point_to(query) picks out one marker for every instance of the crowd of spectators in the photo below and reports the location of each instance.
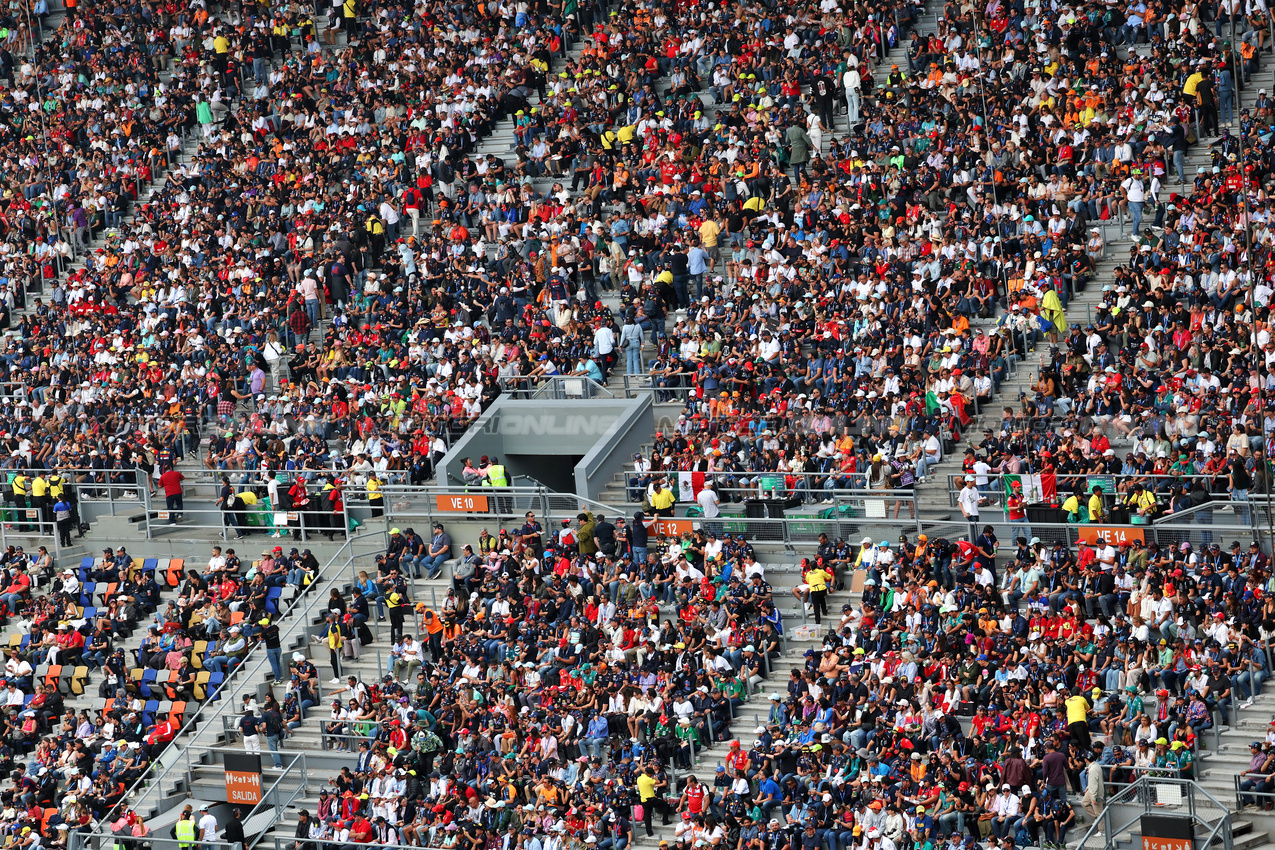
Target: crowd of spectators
(72, 634)
(573, 678)
(548, 680)
(334, 277)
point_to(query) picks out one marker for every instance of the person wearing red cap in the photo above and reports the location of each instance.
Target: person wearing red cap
(1020, 531)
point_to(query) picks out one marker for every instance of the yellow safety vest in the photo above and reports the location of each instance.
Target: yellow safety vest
(185, 833)
(496, 477)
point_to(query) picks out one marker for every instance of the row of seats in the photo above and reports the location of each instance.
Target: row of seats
(67, 678)
(176, 709)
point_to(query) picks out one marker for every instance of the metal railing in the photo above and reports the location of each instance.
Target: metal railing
(1124, 810)
(275, 800)
(995, 488)
(281, 843)
(583, 387)
(202, 733)
(808, 486)
(1266, 798)
(81, 841)
(843, 517)
(1072, 534)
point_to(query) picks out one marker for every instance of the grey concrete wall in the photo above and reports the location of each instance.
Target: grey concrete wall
(627, 435)
(601, 431)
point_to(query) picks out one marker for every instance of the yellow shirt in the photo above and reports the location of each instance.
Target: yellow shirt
(1095, 508)
(374, 490)
(1143, 500)
(1077, 709)
(708, 233)
(39, 487)
(221, 44)
(1191, 82)
(818, 579)
(663, 499)
(646, 787)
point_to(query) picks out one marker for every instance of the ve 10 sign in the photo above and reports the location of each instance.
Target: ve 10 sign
(462, 503)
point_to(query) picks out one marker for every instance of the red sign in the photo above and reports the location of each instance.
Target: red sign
(463, 503)
(1113, 534)
(673, 527)
(243, 787)
(1149, 843)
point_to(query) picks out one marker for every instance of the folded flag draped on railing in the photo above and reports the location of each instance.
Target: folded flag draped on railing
(1036, 488)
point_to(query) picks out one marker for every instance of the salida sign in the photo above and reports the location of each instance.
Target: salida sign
(243, 778)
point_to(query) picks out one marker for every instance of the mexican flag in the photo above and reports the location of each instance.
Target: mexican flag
(1036, 488)
(688, 485)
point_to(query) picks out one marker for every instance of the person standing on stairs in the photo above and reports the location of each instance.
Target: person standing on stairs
(604, 347)
(1135, 195)
(62, 518)
(818, 579)
(969, 501)
(631, 344)
(335, 639)
(823, 91)
(650, 795)
(1206, 97)
(853, 84)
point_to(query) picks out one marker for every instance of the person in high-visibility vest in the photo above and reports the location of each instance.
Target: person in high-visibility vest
(335, 640)
(375, 498)
(397, 603)
(818, 579)
(496, 475)
(57, 485)
(19, 487)
(40, 499)
(185, 830)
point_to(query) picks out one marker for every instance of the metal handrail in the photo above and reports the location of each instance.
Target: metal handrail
(510, 504)
(272, 795)
(1141, 797)
(299, 623)
(281, 843)
(955, 480)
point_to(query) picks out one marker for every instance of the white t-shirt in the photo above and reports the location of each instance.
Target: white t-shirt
(981, 470)
(1135, 190)
(708, 502)
(967, 499)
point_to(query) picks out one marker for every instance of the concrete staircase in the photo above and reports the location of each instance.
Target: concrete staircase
(934, 491)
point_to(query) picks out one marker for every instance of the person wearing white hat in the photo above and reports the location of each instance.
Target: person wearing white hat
(969, 501)
(207, 825)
